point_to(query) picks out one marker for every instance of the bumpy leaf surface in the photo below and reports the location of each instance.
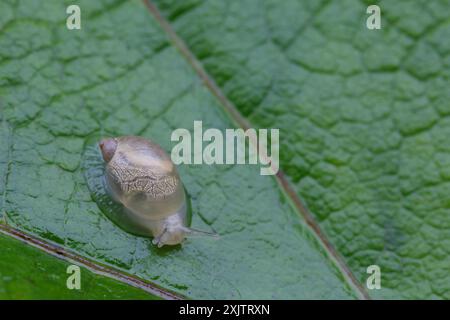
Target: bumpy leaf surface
(364, 119)
(61, 89)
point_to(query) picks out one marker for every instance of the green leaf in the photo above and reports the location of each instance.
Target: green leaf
(363, 117)
(61, 89)
(28, 273)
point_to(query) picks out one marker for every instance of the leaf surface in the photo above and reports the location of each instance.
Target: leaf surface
(119, 75)
(363, 117)
(28, 273)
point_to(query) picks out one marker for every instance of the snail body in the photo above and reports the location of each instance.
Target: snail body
(141, 176)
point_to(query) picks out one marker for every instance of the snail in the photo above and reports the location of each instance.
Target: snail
(141, 176)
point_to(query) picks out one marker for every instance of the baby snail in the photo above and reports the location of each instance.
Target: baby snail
(141, 176)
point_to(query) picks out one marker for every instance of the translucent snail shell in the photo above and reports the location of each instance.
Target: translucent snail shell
(141, 176)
